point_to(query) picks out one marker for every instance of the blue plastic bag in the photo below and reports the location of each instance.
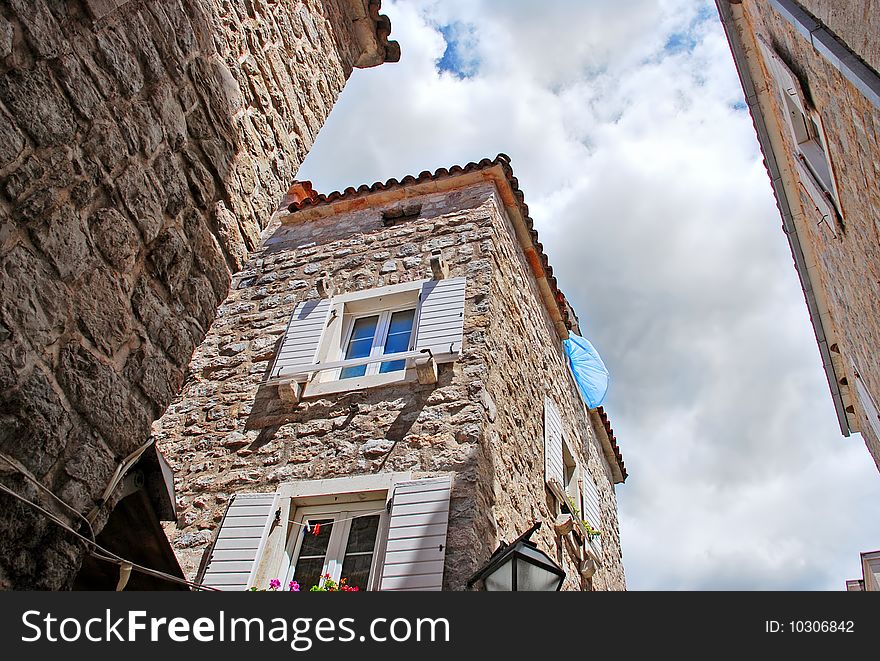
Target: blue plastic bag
(588, 369)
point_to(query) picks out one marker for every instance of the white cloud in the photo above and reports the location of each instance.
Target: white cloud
(647, 187)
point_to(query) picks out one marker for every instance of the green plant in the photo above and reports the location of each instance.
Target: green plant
(592, 532)
(329, 585)
(326, 584)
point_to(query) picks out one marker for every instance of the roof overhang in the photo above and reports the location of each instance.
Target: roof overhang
(608, 441)
(371, 30)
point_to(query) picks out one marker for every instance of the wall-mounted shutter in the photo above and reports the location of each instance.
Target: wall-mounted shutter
(303, 336)
(868, 406)
(784, 77)
(815, 190)
(553, 462)
(441, 318)
(240, 541)
(591, 510)
(416, 547)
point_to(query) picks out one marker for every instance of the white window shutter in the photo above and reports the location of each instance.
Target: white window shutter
(814, 190)
(868, 406)
(303, 336)
(441, 318)
(416, 548)
(240, 541)
(591, 509)
(783, 76)
(553, 462)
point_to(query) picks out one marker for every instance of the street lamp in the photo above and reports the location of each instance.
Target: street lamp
(520, 566)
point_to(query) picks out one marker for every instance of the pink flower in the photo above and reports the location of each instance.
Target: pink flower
(274, 584)
(294, 586)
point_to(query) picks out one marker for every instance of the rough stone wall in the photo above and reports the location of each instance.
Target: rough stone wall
(525, 362)
(849, 264)
(227, 433)
(856, 22)
(141, 145)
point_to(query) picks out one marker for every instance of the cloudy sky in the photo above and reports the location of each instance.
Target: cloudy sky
(626, 128)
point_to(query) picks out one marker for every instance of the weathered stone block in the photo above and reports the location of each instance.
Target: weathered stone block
(119, 57)
(99, 298)
(102, 397)
(141, 198)
(36, 423)
(116, 238)
(62, 238)
(38, 105)
(31, 298)
(11, 141)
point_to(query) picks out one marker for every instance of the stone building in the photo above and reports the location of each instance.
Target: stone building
(870, 580)
(143, 145)
(809, 72)
(316, 432)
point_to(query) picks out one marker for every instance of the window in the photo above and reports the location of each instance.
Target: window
(374, 335)
(408, 328)
(380, 531)
(866, 401)
(560, 465)
(805, 127)
(569, 479)
(339, 542)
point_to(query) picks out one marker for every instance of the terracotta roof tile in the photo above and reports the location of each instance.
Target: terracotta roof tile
(613, 439)
(503, 160)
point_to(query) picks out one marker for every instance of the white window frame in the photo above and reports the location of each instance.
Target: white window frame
(342, 515)
(312, 368)
(345, 308)
(379, 338)
(570, 474)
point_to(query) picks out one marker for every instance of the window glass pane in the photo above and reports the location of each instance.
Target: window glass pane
(363, 534)
(359, 551)
(308, 573)
(356, 568)
(312, 553)
(817, 162)
(399, 332)
(360, 344)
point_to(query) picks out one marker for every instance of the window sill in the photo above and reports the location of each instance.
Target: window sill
(319, 389)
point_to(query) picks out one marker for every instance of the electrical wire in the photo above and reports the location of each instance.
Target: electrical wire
(26, 473)
(96, 550)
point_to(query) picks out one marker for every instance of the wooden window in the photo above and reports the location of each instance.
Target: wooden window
(337, 540)
(374, 335)
(323, 335)
(872, 416)
(805, 126)
(569, 477)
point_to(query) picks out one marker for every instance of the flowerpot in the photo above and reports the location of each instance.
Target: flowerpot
(564, 524)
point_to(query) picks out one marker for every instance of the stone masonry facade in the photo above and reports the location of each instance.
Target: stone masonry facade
(229, 432)
(142, 147)
(847, 273)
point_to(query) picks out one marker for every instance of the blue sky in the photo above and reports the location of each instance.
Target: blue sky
(627, 131)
